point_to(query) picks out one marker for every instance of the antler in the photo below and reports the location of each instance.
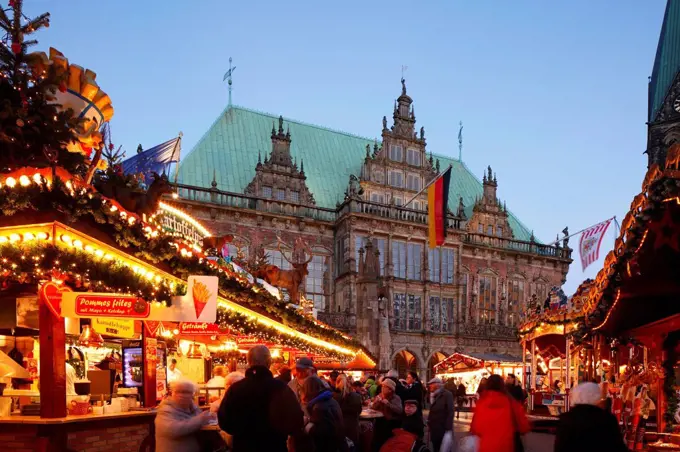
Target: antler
(278, 245)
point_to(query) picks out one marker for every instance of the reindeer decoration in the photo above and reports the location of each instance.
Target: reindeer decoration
(288, 279)
(134, 201)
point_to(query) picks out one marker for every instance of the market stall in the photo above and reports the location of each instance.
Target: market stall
(470, 369)
(545, 335)
(632, 319)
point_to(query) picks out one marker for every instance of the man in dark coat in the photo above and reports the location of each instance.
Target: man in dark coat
(440, 419)
(514, 389)
(586, 427)
(260, 412)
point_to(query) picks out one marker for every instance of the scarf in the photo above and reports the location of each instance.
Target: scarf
(434, 395)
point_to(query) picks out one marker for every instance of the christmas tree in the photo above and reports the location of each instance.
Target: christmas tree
(34, 129)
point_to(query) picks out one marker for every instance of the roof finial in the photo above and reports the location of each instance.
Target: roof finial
(259, 157)
(213, 184)
(437, 165)
(489, 169)
(495, 181)
(273, 129)
(484, 177)
(287, 131)
(368, 150)
(413, 113)
(302, 165)
(460, 142)
(375, 146)
(227, 77)
(280, 125)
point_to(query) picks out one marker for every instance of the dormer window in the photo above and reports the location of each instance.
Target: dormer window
(413, 157)
(396, 153)
(266, 192)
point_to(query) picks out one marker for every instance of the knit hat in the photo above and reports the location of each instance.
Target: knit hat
(390, 384)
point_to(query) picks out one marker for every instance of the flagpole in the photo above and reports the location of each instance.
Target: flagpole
(577, 233)
(426, 187)
(179, 140)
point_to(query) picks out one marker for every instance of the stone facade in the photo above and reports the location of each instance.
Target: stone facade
(373, 273)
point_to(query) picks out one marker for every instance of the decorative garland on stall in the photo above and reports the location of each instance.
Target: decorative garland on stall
(32, 262)
(83, 269)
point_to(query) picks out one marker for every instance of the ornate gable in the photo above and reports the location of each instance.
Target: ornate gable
(279, 178)
(489, 217)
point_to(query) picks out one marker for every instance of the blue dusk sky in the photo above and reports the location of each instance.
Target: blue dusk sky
(553, 95)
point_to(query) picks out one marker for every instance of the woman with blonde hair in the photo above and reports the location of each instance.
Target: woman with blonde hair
(228, 381)
(350, 404)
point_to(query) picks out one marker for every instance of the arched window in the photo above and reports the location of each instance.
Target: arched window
(488, 292)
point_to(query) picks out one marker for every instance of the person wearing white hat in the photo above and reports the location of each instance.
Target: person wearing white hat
(389, 404)
(440, 419)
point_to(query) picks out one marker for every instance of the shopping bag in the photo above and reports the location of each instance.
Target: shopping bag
(468, 443)
(447, 442)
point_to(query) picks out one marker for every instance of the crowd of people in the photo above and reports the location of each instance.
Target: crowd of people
(299, 411)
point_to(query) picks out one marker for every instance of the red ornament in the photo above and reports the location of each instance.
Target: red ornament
(62, 87)
(11, 3)
(16, 47)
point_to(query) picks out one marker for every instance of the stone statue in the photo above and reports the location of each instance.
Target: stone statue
(422, 133)
(384, 122)
(565, 242)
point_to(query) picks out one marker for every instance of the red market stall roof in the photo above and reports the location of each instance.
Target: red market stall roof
(360, 362)
(459, 362)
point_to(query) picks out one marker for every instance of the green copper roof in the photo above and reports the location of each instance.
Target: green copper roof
(667, 61)
(231, 146)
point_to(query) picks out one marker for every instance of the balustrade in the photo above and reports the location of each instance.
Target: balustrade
(359, 206)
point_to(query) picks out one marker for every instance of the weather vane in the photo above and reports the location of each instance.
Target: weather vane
(403, 70)
(227, 77)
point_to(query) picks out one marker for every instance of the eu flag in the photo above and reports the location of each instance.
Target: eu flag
(154, 160)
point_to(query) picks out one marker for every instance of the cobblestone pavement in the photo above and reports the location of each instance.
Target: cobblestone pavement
(533, 442)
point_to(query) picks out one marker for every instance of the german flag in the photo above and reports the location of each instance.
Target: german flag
(437, 203)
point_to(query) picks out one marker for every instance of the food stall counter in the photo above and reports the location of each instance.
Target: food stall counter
(131, 431)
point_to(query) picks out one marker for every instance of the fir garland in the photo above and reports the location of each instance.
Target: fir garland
(33, 262)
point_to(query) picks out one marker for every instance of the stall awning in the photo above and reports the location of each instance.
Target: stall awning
(459, 362)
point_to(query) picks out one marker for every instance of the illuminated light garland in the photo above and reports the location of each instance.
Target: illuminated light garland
(282, 328)
(184, 216)
(611, 310)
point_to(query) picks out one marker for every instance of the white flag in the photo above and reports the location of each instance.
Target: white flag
(590, 242)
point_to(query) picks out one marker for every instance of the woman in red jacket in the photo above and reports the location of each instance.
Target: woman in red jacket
(497, 418)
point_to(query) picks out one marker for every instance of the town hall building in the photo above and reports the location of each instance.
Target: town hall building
(268, 181)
